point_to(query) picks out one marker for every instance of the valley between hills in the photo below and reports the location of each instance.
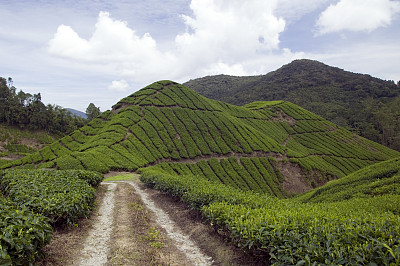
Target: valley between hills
(277, 182)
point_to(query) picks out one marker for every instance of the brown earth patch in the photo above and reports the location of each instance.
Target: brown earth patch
(294, 178)
(283, 117)
(12, 157)
(298, 180)
(32, 143)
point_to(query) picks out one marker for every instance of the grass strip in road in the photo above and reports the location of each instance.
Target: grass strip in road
(122, 177)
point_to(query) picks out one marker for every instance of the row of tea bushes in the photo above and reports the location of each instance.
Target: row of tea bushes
(63, 196)
(350, 232)
(36, 200)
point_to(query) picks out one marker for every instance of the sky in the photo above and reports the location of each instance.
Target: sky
(76, 52)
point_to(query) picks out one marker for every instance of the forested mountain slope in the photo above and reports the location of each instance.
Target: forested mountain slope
(274, 147)
(368, 106)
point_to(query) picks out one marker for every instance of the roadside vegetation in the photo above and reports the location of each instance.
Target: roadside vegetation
(357, 227)
(36, 200)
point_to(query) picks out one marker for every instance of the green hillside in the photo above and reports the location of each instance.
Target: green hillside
(375, 180)
(368, 106)
(275, 147)
(16, 143)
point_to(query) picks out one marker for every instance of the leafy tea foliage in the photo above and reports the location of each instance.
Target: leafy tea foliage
(23, 234)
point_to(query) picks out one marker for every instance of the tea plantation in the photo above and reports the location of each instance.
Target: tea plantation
(169, 126)
(240, 167)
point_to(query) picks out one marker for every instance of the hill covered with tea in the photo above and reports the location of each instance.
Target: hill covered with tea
(274, 147)
(367, 105)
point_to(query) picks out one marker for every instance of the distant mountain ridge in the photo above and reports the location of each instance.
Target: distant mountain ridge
(359, 102)
(77, 113)
(283, 83)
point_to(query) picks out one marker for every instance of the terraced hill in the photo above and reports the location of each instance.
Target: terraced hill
(275, 147)
(367, 105)
(380, 179)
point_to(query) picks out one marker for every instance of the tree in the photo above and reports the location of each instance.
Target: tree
(4, 94)
(92, 111)
(25, 110)
(9, 82)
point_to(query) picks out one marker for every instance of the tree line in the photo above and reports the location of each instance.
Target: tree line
(27, 111)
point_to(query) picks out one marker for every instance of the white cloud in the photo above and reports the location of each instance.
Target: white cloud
(112, 44)
(357, 15)
(225, 29)
(119, 86)
(221, 35)
(219, 67)
(112, 41)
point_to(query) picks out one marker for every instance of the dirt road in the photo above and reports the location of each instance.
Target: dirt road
(135, 225)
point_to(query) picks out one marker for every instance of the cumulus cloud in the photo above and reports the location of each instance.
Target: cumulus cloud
(222, 36)
(230, 29)
(119, 86)
(357, 15)
(113, 43)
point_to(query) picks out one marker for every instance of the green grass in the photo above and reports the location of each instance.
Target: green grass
(16, 141)
(374, 180)
(121, 177)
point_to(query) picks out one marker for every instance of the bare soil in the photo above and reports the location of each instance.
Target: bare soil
(97, 244)
(12, 157)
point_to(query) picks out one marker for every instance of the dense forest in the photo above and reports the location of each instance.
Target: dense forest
(363, 104)
(27, 111)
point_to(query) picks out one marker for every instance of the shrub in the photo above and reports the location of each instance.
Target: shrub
(23, 234)
(59, 195)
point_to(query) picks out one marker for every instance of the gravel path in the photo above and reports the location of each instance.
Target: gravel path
(97, 244)
(182, 241)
